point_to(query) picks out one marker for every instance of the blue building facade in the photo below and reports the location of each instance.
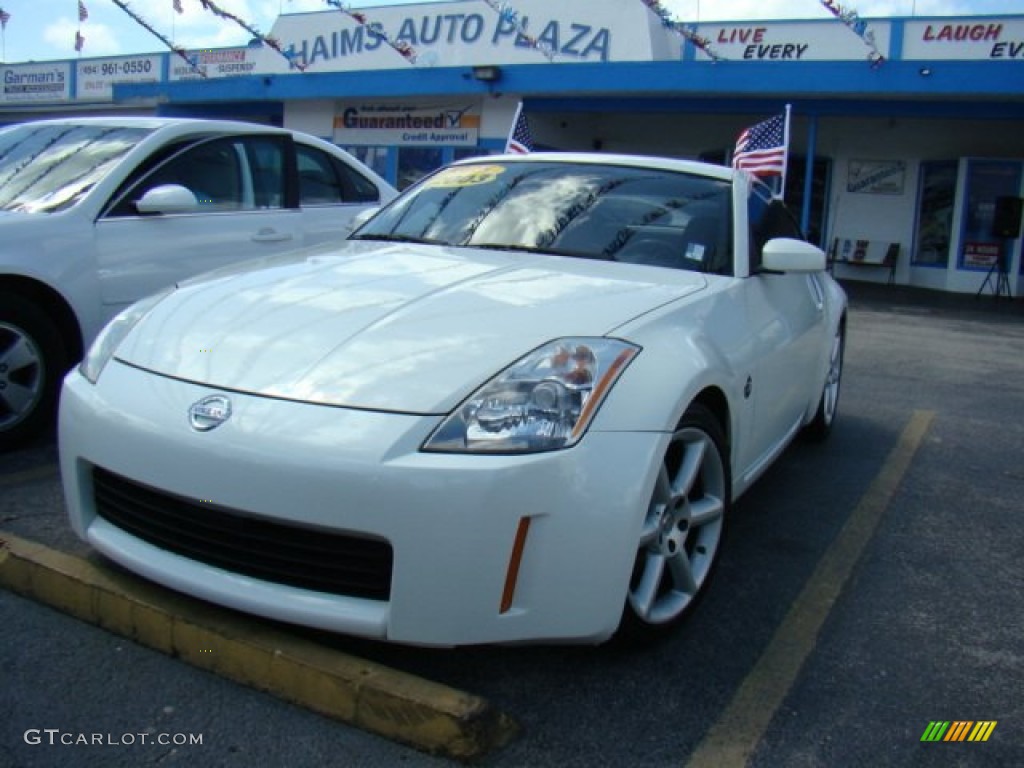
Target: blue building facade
(906, 138)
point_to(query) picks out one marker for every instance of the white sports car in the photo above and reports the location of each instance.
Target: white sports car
(516, 404)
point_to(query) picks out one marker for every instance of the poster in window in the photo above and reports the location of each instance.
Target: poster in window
(876, 177)
(982, 255)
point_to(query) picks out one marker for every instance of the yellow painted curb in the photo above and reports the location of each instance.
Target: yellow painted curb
(428, 716)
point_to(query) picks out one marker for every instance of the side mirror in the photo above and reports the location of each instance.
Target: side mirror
(784, 254)
(167, 198)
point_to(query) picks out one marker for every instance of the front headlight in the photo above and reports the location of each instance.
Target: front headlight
(114, 333)
(543, 402)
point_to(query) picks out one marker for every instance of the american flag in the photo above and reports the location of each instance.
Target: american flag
(761, 148)
(520, 142)
(83, 14)
(177, 6)
(4, 18)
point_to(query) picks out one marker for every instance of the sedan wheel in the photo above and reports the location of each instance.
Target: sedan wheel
(31, 357)
(681, 533)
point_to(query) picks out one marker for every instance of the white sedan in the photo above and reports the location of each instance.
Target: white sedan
(96, 213)
(516, 405)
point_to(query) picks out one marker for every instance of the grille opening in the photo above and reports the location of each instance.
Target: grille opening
(325, 561)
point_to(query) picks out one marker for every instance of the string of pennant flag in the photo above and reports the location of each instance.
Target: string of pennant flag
(177, 49)
(83, 14)
(402, 47)
(506, 11)
(270, 42)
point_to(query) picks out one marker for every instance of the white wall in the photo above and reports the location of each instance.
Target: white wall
(315, 117)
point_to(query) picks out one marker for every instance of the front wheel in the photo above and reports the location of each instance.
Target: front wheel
(31, 363)
(683, 528)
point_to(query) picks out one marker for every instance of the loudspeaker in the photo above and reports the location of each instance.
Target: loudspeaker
(1006, 221)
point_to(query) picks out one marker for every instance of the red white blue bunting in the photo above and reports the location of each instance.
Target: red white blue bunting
(511, 16)
(270, 42)
(146, 25)
(402, 47)
(83, 14)
(687, 33)
(858, 26)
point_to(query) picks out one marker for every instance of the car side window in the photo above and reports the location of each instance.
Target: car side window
(265, 157)
(235, 173)
(212, 171)
(768, 218)
(325, 180)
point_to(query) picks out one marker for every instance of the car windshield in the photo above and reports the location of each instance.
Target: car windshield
(47, 168)
(613, 212)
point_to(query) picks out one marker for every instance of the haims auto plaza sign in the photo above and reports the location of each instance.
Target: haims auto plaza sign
(446, 34)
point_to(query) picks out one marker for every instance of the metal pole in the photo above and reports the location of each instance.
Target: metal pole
(812, 148)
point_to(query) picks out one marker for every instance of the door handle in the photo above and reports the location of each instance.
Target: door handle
(268, 235)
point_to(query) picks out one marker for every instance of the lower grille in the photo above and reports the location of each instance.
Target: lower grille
(300, 557)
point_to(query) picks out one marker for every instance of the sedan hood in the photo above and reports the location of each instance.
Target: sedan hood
(403, 328)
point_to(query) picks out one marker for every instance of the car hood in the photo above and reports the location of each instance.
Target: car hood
(403, 328)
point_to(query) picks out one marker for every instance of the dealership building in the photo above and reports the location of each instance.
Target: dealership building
(906, 145)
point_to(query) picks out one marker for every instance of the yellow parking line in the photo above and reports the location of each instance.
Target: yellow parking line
(408, 709)
(29, 475)
(735, 735)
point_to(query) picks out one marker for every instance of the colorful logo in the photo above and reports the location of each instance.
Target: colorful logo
(958, 730)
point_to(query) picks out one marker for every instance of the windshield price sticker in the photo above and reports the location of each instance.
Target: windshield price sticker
(468, 176)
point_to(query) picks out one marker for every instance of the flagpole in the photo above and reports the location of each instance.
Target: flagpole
(785, 152)
(515, 121)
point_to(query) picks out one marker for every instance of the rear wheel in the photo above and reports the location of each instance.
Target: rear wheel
(828, 406)
(32, 360)
(683, 528)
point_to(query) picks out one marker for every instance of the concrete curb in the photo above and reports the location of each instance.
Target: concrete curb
(427, 716)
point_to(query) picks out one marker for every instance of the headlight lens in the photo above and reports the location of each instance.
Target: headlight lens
(106, 344)
(543, 402)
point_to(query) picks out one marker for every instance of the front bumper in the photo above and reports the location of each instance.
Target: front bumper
(451, 520)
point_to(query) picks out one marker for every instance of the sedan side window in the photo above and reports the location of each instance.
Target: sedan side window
(324, 180)
(211, 171)
(225, 174)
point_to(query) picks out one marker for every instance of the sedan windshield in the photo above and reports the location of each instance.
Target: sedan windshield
(46, 168)
(621, 213)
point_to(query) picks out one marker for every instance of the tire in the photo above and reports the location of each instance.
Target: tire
(828, 406)
(32, 362)
(682, 530)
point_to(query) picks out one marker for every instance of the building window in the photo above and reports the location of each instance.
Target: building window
(795, 186)
(987, 180)
(416, 162)
(935, 200)
(375, 158)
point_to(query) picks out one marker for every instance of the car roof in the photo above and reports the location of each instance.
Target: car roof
(606, 158)
(161, 123)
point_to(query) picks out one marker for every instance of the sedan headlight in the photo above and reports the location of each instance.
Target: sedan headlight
(114, 333)
(543, 402)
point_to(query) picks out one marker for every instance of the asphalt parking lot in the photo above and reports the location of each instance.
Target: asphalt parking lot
(870, 586)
